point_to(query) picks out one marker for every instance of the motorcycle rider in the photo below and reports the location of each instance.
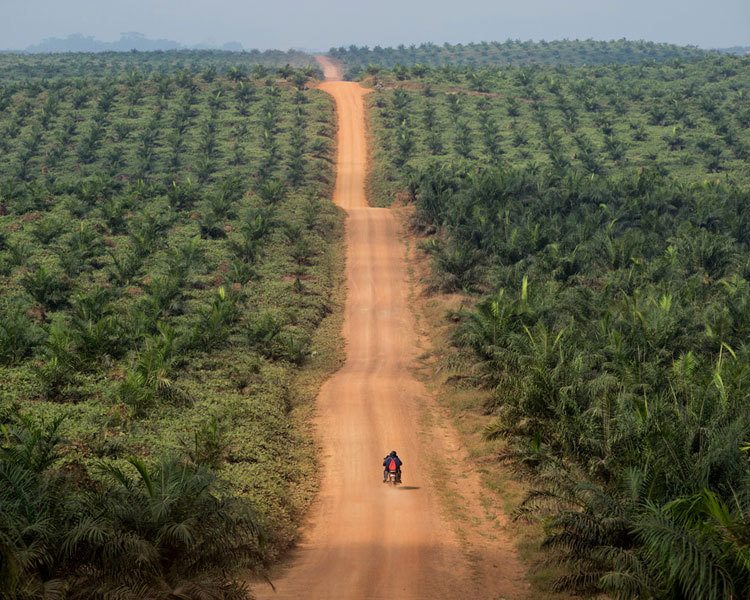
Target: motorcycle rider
(392, 457)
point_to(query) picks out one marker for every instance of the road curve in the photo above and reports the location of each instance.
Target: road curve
(367, 540)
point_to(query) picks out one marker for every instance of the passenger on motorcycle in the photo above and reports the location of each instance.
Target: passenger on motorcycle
(392, 463)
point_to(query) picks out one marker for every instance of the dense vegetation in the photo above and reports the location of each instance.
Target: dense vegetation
(686, 119)
(167, 252)
(599, 219)
(510, 53)
(738, 50)
(15, 67)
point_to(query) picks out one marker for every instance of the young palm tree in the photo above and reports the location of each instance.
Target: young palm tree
(698, 547)
(173, 523)
(30, 497)
(18, 336)
(48, 288)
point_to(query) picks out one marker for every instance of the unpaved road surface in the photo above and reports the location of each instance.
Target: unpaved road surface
(365, 539)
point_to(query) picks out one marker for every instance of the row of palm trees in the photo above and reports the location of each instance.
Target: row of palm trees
(128, 277)
(596, 119)
(188, 131)
(612, 330)
(418, 59)
(135, 530)
(41, 68)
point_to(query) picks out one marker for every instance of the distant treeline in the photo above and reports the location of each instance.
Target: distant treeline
(131, 40)
(738, 50)
(514, 52)
(89, 64)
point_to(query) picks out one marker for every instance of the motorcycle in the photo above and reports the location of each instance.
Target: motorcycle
(394, 478)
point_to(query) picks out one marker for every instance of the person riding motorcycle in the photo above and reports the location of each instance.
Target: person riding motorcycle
(392, 457)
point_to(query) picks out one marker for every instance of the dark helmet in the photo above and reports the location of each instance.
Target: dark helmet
(393, 453)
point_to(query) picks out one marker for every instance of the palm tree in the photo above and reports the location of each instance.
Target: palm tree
(698, 547)
(18, 337)
(171, 530)
(48, 288)
(214, 321)
(174, 522)
(272, 192)
(30, 495)
(150, 377)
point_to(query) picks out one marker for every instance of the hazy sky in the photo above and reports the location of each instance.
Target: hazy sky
(324, 23)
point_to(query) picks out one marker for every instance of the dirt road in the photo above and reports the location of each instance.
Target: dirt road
(367, 540)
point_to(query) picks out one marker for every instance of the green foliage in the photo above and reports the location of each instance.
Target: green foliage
(149, 378)
(268, 335)
(272, 192)
(28, 495)
(415, 61)
(96, 330)
(59, 361)
(457, 267)
(606, 247)
(698, 546)
(215, 321)
(132, 259)
(45, 286)
(179, 63)
(257, 224)
(172, 520)
(157, 531)
(209, 444)
(677, 118)
(18, 336)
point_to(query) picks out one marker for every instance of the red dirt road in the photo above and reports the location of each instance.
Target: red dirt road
(367, 540)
